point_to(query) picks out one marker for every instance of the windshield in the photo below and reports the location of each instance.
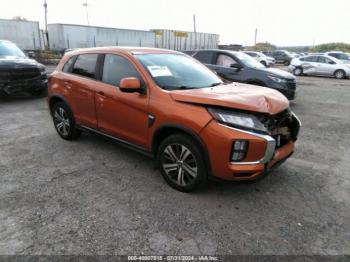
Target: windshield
(248, 60)
(10, 49)
(176, 71)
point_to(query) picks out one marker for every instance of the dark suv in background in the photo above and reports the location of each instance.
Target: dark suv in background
(281, 56)
(20, 74)
(239, 67)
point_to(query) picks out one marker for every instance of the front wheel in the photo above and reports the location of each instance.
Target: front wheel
(264, 63)
(64, 121)
(286, 63)
(298, 71)
(181, 163)
(339, 74)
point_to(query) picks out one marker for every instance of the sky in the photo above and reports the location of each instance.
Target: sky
(280, 22)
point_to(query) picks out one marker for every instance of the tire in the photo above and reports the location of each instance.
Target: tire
(263, 63)
(181, 163)
(339, 74)
(286, 63)
(64, 121)
(298, 71)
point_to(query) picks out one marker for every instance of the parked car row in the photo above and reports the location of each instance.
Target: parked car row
(236, 66)
(320, 64)
(265, 60)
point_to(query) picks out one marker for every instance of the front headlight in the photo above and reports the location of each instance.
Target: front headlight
(277, 79)
(238, 120)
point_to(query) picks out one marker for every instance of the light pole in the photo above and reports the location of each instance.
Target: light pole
(87, 13)
(46, 31)
(195, 31)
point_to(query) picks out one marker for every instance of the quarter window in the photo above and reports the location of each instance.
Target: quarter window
(68, 65)
(206, 57)
(85, 65)
(115, 68)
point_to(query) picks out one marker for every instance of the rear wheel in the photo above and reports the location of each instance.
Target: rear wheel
(181, 163)
(298, 71)
(339, 74)
(64, 121)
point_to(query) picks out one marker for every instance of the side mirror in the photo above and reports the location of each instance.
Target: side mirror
(130, 85)
(236, 66)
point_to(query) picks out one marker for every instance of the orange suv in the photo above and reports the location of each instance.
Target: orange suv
(170, 106)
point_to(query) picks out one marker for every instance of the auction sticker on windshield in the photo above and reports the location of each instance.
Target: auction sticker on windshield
(157, 71)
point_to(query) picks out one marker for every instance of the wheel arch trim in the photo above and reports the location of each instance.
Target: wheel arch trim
(155, 143)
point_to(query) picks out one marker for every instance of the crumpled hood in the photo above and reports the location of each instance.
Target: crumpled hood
(236, 96)
(278, 72)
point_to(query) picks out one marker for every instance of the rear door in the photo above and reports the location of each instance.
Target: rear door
(310, 65)
(122, 115)
(81, 83)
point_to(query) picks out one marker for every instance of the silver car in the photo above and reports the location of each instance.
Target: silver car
(262, 58)
(319, 65)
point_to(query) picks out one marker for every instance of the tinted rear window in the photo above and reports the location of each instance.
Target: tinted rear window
(85, 65)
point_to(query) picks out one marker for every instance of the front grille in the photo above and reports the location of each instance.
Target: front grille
(291, 84)
(25, 74)
(19, 74)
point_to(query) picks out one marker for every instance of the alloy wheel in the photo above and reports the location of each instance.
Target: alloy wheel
(297, 71)
(179, 164)
(61, 121)
(339, 74)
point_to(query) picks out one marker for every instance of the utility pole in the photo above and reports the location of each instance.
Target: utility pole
(46, 31)
(195, 31)
(256, 35)
(87, 13)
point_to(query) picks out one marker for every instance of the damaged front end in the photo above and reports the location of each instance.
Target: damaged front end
(14, 80)
(283, 127)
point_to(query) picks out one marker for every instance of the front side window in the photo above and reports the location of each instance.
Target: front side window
(176, 71)
(115, 68)
(324, 60)
(85, 65)
(225, 60)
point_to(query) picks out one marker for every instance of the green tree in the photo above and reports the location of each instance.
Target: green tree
(264, 47)
(331, 47)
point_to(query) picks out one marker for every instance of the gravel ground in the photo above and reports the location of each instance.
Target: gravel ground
(93, 196)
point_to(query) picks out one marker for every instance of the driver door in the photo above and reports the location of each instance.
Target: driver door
(122, 115)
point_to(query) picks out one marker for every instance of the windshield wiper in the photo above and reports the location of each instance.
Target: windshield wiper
(178, 87)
